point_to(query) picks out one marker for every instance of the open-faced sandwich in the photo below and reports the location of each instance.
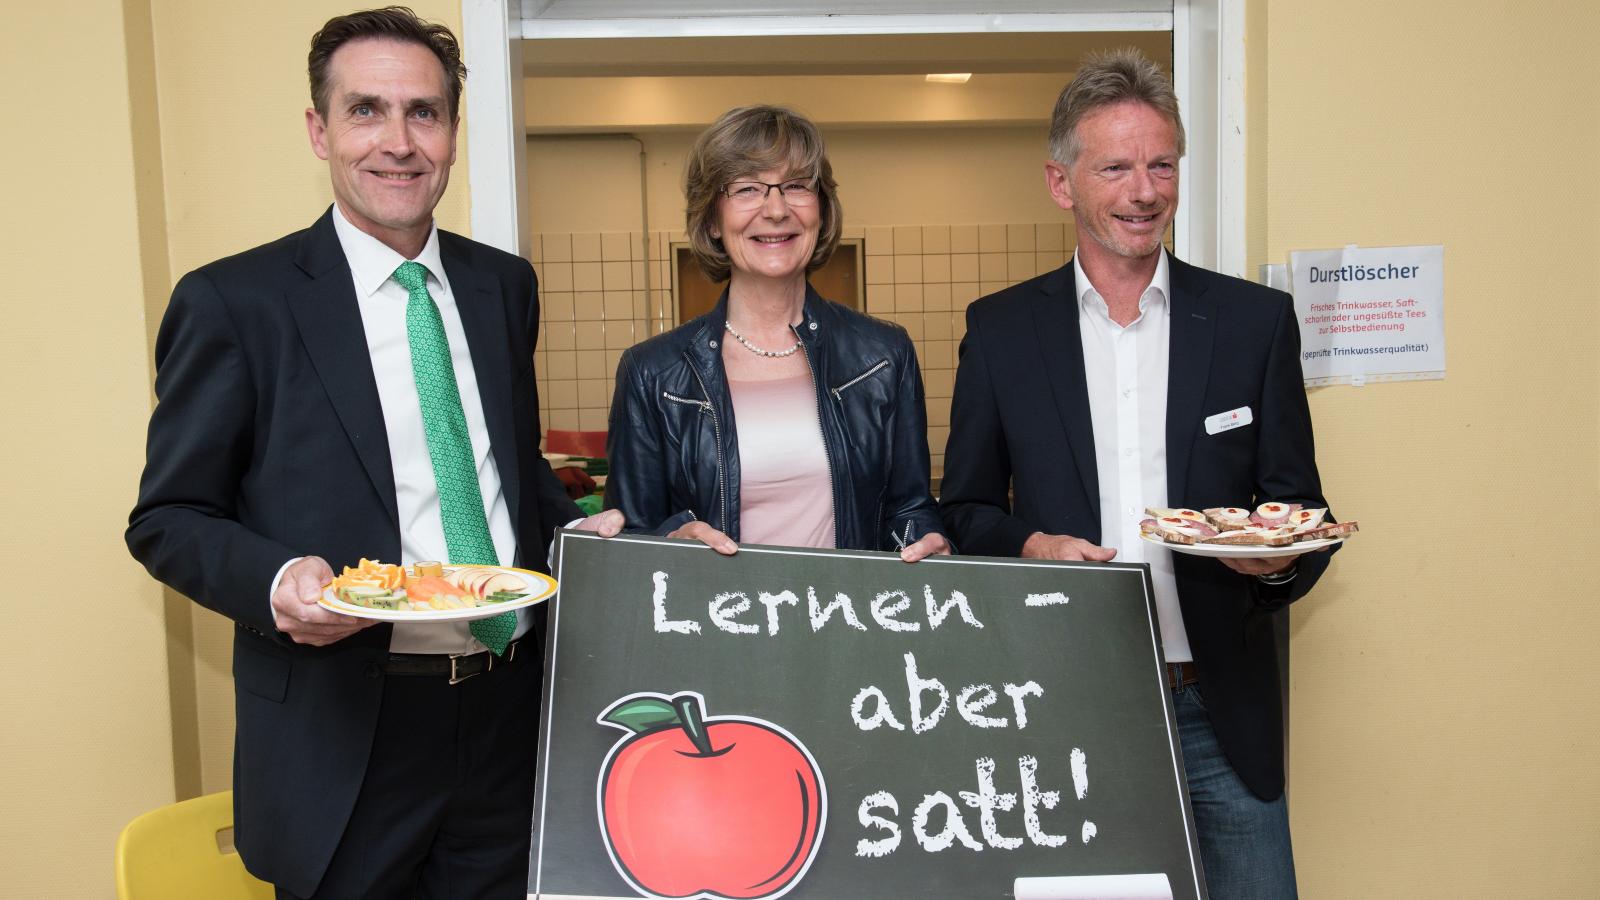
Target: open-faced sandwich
(1269, 525)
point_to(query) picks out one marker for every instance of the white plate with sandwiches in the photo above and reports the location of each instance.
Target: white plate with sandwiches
(1255, 551)
(1271, 530)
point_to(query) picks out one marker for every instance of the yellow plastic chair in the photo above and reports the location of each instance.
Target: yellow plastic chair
(174, 853)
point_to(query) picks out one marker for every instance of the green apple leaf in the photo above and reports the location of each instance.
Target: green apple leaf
(641, 714)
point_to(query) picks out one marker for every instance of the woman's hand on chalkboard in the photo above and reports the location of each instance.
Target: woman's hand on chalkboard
(1064, 546)
(606, 523)
(705, 534)
(928, 545)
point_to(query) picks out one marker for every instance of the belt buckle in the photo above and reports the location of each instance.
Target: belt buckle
(455, 660)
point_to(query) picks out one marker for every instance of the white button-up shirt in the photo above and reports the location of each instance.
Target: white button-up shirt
(1126, 371)
(382, 302)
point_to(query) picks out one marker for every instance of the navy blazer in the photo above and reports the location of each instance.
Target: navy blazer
(267, 443)
(1020, 427)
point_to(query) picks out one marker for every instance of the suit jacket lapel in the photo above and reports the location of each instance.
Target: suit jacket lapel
(1060, 344)
(482, 307)
(1194, 323)
(325, 311)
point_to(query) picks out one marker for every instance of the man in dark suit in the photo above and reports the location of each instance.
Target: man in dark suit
(1128, 379)
(363, 388)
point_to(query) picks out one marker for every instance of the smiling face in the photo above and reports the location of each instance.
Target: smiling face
(388, 138)
(1123, 187)
(772, 241)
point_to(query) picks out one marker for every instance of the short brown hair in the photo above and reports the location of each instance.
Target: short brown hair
(1108, 79)
(744, 141)
(395, 23)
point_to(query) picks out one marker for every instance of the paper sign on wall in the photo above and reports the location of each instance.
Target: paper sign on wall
(1370, 313)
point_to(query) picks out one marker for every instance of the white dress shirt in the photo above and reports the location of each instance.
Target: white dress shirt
(1126, 371)
(383, 317)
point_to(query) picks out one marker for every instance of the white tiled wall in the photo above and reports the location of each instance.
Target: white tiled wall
(601, 293)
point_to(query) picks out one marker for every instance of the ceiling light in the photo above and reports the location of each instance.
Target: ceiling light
(951, 78)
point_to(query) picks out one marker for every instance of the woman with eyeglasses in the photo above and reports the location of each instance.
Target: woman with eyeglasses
(778, 417)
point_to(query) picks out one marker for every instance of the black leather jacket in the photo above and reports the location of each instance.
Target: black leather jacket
(673, 448)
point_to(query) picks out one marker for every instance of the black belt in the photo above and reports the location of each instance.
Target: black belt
(1182, 674)
(456, 668)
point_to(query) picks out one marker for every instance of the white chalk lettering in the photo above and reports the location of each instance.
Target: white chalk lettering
(877, 809)
(885, 845)
(915, 685)
(1051, 599)
(1080, 773)
(841, 602)
(1019, 691)
(729, 610)
(1032, 799)
(658, 600)
(885, 613)
(955, 829)
(973, 700)
(882, 714)
(772, 602)
(726, 607)
(972, 703)
(986, 800)
(937, 611)
(1089, 831)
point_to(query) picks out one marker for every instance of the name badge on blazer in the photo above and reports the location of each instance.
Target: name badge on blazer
(1233, 418)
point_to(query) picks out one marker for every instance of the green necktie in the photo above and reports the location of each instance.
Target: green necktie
(466, 528)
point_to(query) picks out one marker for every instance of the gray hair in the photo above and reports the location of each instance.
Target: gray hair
(1108, 79)
(744, 141)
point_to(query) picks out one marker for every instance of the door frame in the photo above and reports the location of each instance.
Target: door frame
(1208, 73)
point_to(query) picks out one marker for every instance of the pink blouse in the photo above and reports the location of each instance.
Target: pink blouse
(785, 491)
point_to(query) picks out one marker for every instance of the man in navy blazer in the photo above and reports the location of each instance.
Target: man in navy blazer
(1128, 379)
(371, 760)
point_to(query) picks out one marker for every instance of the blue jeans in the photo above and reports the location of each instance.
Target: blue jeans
(1244, 841)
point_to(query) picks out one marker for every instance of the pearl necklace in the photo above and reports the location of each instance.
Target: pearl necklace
(771, 354)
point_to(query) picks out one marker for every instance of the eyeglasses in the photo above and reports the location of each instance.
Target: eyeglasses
(747, 195)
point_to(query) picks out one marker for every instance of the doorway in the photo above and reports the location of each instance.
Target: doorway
(1207, 53)
(940, 183)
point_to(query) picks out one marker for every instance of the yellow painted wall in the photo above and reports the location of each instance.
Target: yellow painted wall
(1442, 707)
(86, 739)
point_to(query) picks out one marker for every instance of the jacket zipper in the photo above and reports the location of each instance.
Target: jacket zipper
(903, 543)
(877, 367)
(833, 488)
(838, 396)
(716, 430)
(704, 405)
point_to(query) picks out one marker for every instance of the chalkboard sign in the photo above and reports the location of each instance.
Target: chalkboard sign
(838, 724)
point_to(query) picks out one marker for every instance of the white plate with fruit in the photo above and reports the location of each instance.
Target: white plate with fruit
(432, 592)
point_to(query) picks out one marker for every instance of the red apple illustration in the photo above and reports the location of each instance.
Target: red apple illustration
(726, 807)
